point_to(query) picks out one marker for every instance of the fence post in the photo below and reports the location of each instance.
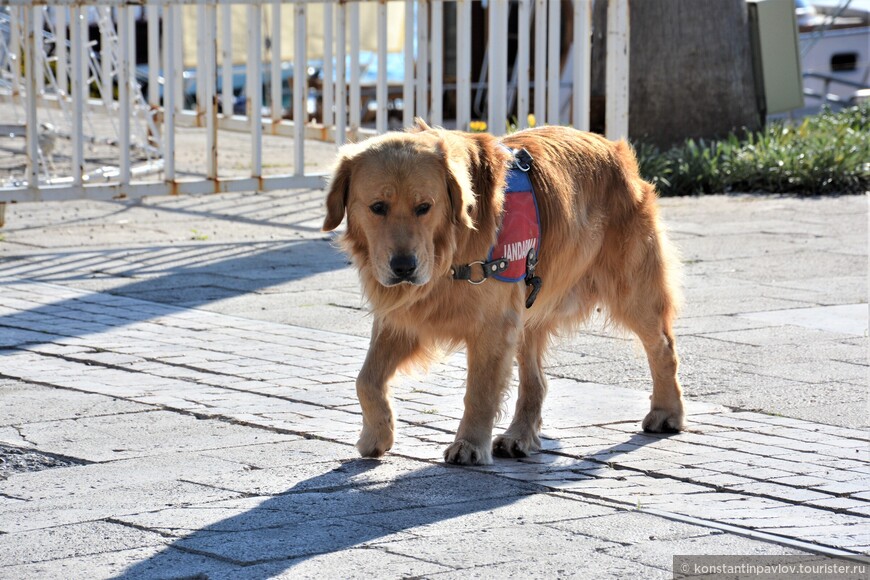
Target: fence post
(540, 61)
(15, 18)
(341, 74)
(30, 73)
(106, 53)
(616, 109)
(60, 50)
(125, 16)
(276, 95)
(523, 44)
(582, 59)
(437, 96)
(328, 97)
(381, 97)
(497, 93)
(300, 97)
(422, 74)
(463, 64)
(355, 97)
(255, 88)
(78, 90)
(554, 90)
(169, 92)
(208, 89)
(408, 88)
(228, 95)
(152, 12)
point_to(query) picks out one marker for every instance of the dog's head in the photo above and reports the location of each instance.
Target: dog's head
(409, 199)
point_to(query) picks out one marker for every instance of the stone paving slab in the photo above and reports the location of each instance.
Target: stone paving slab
(234, 475)
(202, 376)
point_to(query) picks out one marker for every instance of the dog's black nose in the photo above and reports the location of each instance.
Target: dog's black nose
(403, 266)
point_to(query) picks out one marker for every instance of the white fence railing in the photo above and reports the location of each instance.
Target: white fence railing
(118, 125)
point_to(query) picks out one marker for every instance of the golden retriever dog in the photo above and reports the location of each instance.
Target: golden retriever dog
(422, 202)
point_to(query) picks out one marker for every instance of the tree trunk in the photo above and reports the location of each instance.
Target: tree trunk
(690, 71)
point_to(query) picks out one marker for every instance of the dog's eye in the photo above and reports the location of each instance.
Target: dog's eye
(378, 208)
(423, 209)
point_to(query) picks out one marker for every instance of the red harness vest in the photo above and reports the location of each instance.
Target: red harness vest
(515, 254)
(520, 230)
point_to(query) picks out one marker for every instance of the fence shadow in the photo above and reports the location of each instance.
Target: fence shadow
(176, 278)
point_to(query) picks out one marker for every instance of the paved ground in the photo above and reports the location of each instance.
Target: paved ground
(177, 400)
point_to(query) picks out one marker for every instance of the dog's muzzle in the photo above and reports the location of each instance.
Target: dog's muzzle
(404, 268)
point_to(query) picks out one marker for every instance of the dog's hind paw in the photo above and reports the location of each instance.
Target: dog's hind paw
(506, 446)
(664, 421)
(464, 452)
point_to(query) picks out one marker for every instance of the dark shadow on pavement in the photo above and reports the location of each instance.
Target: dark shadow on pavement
(346, 507)
(188, 279)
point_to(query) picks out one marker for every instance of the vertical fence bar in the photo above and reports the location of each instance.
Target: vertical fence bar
(77, 91)
(153, 15)
(30, 74)
(208, 82)
(554, 60)
(523, 42)
(497, 96)
(255, 88)
(178, 76)
(422, 101)
(408, 88)
(541, 61)
(227, 93)
(616, 108)
(131, 42)
(200, 64)
(276, 96)
(340, 74)
(60, 50)
(39, 55)
(300, 94)
(381, 91)
(355, 97)
(328, 68)
(169, 93)
(125, 14)
(437, 113)
(582, 58)
(15, 48)
(106, 55)
(463, 64)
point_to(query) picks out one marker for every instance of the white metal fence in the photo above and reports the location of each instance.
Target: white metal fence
(50, 69)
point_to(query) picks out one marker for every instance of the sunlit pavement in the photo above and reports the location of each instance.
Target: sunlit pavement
(177, 400)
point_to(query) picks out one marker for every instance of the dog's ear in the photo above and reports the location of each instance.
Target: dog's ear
(419, 126)
(459, 188)
(338, 189)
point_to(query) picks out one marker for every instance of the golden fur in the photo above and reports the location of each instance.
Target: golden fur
(435, 196)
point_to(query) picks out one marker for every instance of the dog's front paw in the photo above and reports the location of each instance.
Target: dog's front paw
(374, 442)
(464, 452)
(665, 421)
(507, 446)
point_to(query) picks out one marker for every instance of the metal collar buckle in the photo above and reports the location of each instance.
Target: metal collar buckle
(487, 269)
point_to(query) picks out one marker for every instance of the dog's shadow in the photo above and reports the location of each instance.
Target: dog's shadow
(356, 504)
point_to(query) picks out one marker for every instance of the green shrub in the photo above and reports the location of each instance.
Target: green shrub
(827, 153)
